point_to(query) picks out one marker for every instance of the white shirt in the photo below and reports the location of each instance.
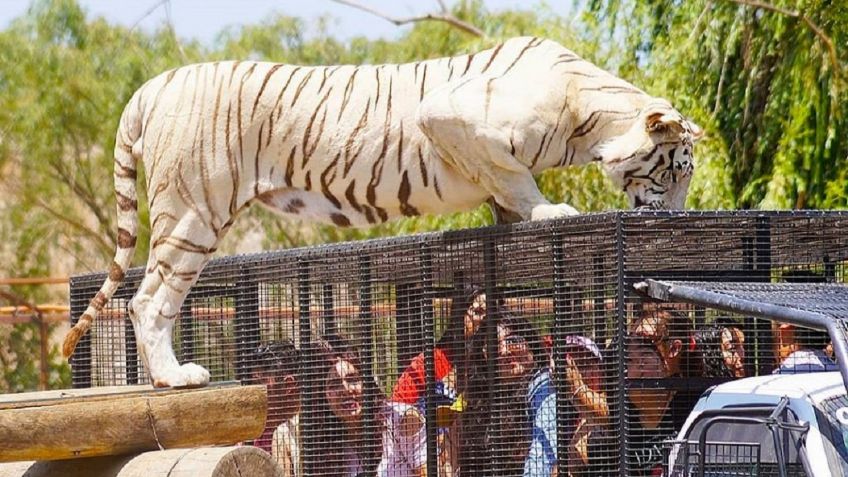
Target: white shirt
(285, 447)
(404, 441)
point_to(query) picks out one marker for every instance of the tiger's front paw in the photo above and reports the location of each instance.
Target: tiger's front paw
(552, 211)
(188, 375)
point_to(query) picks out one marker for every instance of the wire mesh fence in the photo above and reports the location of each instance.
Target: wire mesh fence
(510, 350)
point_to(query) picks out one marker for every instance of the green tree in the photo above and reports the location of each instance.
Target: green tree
(767, 81)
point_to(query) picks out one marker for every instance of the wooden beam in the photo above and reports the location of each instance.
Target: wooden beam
(200, 462)
(54, 425)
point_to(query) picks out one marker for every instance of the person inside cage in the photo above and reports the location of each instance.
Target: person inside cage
(276, 366)
(716, 351)
(496, 426)
(346, 440)
(341, 439)
(451, 356)
(801, 350)
(586, 408)
(654, 349)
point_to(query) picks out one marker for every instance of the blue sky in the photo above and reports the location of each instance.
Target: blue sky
(203, 19)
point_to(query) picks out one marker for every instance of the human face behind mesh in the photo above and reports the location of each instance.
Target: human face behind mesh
(515, 359)
(733, 350)
(343, 391)
(474, 315)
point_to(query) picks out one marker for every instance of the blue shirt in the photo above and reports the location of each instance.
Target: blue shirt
(542, 456)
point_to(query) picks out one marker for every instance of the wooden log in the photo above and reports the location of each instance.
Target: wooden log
(200, 462)
(56, 425)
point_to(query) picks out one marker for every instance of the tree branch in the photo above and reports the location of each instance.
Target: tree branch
(444, 16)
(105, 247)
(796, 14)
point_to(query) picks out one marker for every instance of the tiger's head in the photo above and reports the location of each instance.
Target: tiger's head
(652, 161)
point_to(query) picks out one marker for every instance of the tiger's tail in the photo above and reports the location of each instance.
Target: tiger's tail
(127, 150)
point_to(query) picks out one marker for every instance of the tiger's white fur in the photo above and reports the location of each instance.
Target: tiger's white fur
(357, 145)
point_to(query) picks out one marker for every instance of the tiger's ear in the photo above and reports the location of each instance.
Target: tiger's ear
(697, 132)
(663, 123)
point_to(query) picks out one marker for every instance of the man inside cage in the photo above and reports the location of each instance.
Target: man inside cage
(276, 366)
(587, 412)
(801, 350)
(654, 349)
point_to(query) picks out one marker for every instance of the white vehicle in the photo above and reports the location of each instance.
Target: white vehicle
(780, 425)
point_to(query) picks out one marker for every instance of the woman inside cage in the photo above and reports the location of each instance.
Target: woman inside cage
(496, 430)
(451, 355)
(716, 351)
(352, 430)
(276, 366)
(587, 412)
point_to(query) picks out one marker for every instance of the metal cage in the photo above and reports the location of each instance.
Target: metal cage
(496, 351)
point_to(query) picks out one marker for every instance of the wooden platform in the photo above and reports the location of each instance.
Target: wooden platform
(240, 461)
(65, 424)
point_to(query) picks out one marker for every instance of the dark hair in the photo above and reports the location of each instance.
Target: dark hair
(706, 358)
(324, 434)
(453, 341)
(278, 357)
(489, 426)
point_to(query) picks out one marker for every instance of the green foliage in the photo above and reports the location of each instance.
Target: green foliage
(20, 360)
(764, 83)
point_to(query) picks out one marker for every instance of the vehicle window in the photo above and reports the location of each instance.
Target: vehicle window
(832, 416)
(737, 443)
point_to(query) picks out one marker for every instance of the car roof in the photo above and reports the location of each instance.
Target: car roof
(816, 386)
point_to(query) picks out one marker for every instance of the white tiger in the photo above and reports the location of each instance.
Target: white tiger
(358, 145)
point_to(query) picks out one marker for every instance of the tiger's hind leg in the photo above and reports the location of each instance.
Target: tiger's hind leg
(176, 260)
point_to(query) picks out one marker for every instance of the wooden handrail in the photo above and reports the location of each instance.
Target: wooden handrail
(34, 281)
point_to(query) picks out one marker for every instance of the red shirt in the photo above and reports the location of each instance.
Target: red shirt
(411, 383)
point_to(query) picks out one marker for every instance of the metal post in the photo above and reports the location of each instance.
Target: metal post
(426, 307)
(310, 433)
(246, 325)
(621, 319)
(366, 339)
(303, 302)
(762, 272)
(490, 280)
(560, 304)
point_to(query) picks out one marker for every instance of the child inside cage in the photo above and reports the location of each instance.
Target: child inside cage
(451, 356)
(716, 351)
(654, 349)
(496, 426)
(587, 404)
(276, 366)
